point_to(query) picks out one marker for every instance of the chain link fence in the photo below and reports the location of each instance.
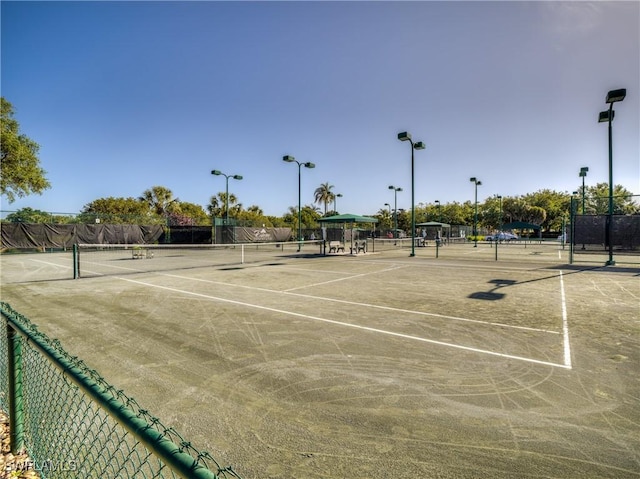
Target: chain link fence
(74, 424)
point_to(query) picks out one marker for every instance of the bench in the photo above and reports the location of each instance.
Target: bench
(361, 246)
(335, 246)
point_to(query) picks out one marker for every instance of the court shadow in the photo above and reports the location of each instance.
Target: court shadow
(491, 295)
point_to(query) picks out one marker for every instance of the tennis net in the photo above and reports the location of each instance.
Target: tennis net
(118, 259)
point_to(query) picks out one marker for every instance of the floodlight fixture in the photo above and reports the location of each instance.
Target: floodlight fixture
(603, 116)
(616, 95)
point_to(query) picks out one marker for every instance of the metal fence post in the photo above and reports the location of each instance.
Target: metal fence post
(76, 262)
(16, 417)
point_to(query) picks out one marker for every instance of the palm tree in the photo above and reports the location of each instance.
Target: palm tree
(159, 199)
(217, 204)
(324, 195)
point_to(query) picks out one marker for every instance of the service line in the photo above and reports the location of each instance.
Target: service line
(340, 323)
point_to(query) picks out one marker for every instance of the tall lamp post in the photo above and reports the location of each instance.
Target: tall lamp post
(418, 145)
(475, 212)
(226, 197)
(308, 164)
(583, 174)
(613, 96)
(395, 209)
(335, 202)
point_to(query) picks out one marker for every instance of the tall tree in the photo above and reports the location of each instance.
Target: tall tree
(323, 194)
(19, 162)
(216, 206)
(160, 200)
(115, 210)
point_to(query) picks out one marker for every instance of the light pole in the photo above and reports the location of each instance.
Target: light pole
(335, 202)
(308, 164)
(613, 96)
(418, 145)
(226, 197)
(583, 174)
(572, 219)
(475, 212)
(395, 209)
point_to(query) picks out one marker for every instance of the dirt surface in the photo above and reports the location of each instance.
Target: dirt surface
(375, 365)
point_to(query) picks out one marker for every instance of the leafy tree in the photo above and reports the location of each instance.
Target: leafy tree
(597, 200)
(29, 215)
(555, 205)
(116, 211)
(323, 194)
(184, 213)
(254, 215)
(19, 162)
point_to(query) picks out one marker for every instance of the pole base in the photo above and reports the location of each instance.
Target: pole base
(610, 263)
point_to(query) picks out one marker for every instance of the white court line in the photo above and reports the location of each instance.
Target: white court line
(341, 279)
(340, 323)
(364, 305)
(51, 264)
(565, 326)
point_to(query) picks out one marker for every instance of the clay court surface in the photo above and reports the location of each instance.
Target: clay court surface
(378, 365)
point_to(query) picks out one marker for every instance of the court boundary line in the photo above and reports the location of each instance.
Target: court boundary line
(364, 305)
(341, 323)
(565, 325)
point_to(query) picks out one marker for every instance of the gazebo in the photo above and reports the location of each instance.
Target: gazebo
(349, 219)
(437, 225)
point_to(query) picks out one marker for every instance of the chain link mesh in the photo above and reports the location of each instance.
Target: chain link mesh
(68, 434)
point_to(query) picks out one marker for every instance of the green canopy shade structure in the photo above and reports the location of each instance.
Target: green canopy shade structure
(519, 225)
(435, 223)
(350, 219)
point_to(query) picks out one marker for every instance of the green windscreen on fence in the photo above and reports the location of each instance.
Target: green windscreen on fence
(73, 424)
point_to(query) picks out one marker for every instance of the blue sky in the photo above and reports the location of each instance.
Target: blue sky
(123, 96)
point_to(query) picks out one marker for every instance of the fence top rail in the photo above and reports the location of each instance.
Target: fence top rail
(166, 442)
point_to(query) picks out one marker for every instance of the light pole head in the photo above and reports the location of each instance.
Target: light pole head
(308, 164)
(404, 136)
(437, 202)
(339, 195)
(288, 158)
(616, 95)
(216, 172)
(603, 117)
(473, 179)
(237, 177)
(479, 183)
(418, 146)
(583, 170)
(391, 187)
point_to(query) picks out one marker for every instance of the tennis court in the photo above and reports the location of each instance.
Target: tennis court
(299, 365)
